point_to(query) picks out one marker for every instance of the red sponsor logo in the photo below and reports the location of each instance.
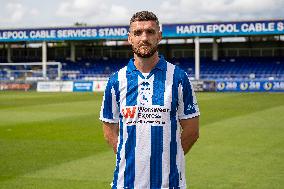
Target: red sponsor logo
(129, 112)
(14, 86)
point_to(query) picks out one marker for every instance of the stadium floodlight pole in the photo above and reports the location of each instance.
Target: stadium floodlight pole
(197, 58)
(9, 52)
(215, 49)
(73, 51)
(59, 71)
(44, 59)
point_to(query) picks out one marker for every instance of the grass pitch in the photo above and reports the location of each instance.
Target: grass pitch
(55, 141)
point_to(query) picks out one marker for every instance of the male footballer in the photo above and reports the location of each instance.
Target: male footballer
(150, 114)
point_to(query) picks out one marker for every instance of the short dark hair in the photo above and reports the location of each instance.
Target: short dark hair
(144, 16)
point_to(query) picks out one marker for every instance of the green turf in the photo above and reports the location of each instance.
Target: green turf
(54, 140)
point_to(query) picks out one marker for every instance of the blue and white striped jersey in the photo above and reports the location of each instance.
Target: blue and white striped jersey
(148, 110)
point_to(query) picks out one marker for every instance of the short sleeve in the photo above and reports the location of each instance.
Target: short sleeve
(109, 109)
(188, 107)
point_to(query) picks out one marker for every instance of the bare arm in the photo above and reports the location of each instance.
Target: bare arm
(111, 133)
(190, 133)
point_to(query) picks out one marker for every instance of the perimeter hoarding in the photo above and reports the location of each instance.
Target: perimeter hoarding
(82, 86)
(250, 86)
(60, 34)
(15, 86)
(71, 86)
(275, 27)
(55, 86)
(219, 86)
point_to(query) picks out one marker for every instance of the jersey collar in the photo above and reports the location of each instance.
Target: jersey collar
(161, 65)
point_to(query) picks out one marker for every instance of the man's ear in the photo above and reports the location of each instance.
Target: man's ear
(129, 38)
(160, 36)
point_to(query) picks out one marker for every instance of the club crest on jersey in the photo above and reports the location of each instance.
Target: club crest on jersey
(129, 112)
(145, 93)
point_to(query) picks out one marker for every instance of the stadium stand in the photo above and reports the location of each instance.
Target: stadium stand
(225, 68)
(237, 50)
(236, 68)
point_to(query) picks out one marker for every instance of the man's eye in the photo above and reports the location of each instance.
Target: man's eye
(151, 31)
(137, 33)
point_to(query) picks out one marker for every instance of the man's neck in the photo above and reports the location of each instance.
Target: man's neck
(145, 65)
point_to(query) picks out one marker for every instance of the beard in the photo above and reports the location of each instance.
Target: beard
(145, 52)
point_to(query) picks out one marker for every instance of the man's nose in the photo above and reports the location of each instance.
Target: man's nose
(144, 36)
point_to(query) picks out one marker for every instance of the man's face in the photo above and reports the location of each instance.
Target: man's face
(144, 37)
